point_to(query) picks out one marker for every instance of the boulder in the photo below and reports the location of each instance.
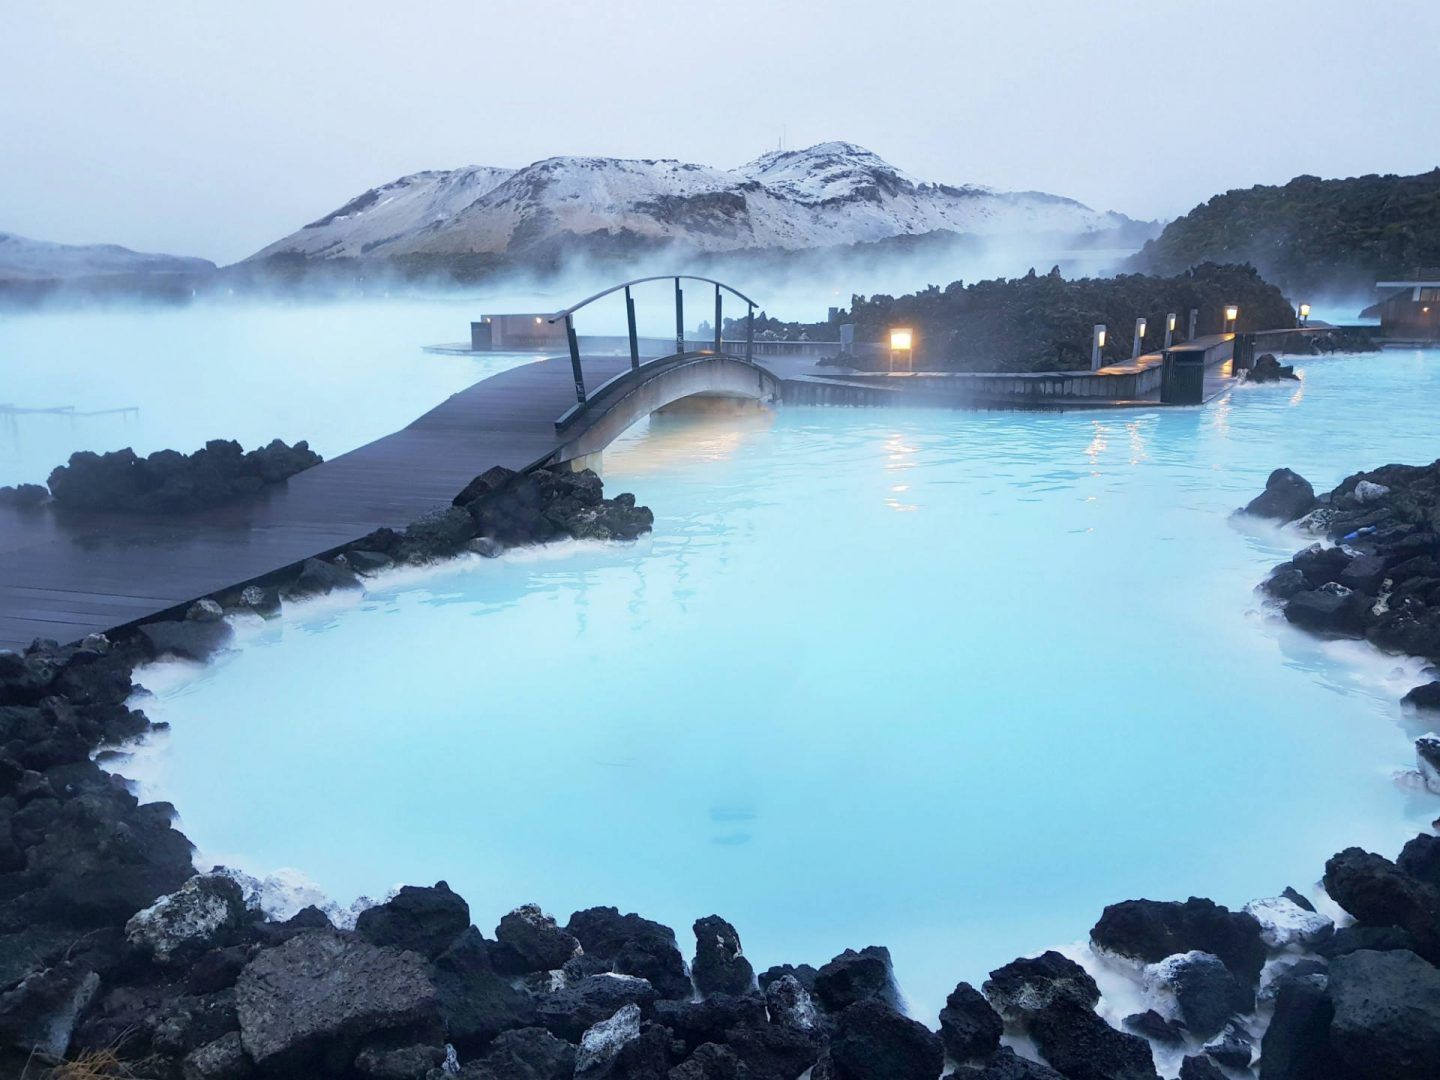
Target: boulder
(1364, 574)
(490, 480)
(1297, 898)
(1151, 1025)
(720, 966)
(1084, 1047)
(319, 994)
(804, 974)
(773, 1051)
(261, 599)
(1268, 369)
(1330, 609)
(188, 639)
(1387, 1015)
(437, 534)
(1151, 930)
(528, 1054)
(708, 1020)
(790, 1004)
(711, 1061)
(969, 1027)
(200, 915)
(366, 563)
(1427, 760)
(1296, 1045)
(412, 1062)
(1420, 858)
(634, 946)
(476, 1004)
(532, 938)
(1284, 923)
(1025, 985)
(570, 1010)
(857, 976)
(1322, 565)
(318, 577)
(1378, 893)
(222, 1059)
(1287, 496)
(1350, 939)
(425, 920)
(1285, 581)
(1232, 1047)
(40, 1012)
(1206, 993)
(1199, 1067)
(1425, 696)
(24, 496)
(205, 610)
(603, 1041)
(1005, 1064)
(874, 1042)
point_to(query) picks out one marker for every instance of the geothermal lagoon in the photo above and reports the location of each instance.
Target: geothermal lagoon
(948, 682)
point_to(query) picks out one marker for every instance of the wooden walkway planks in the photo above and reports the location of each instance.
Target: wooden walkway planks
(66, 574)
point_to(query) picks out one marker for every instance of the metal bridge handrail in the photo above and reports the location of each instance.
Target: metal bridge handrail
(639, 281)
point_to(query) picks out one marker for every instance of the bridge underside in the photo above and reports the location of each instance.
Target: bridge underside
(657, 385)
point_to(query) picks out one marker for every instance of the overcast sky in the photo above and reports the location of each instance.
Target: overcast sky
(212, 129)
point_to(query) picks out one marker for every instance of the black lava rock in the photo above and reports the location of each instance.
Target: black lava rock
(1005, 1064)
(1378, 893)
(424, 920)
(1151, 1025)
(534, 941)
(1287, 496)
(1081, 1045)
(857, 976)
(1151, 930)
(969, 1027)
(1330, 609)
(1426, 696)
(1296, 1045)
(476, 1004)
(720, 966)
(1387, 1015)
(634, 946)
(1025, 985)
(874, 1042)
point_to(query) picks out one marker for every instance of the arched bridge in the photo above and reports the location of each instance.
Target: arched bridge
(692, 369)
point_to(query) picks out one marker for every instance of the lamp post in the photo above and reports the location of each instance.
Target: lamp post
(1136, 344)
(1170, 321)
(902, 340)
(1194, 324)
(1097, 342)
(1232, 316)
(1304, 314)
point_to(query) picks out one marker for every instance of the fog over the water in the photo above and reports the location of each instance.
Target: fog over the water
(206, 130)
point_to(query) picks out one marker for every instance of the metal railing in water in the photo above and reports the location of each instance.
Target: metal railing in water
(568, 316)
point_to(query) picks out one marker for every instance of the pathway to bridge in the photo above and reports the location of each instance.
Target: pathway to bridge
(65, 574)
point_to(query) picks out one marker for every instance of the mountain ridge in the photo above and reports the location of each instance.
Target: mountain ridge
(828, 194)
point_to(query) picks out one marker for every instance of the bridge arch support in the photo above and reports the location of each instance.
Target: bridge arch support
(628, 398)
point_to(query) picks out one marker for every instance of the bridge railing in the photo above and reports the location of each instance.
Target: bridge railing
(568, 317)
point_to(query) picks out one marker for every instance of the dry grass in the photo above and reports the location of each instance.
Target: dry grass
(92, 1065)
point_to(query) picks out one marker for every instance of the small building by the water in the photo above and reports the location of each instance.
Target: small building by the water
(1409, 310)
(517, 333)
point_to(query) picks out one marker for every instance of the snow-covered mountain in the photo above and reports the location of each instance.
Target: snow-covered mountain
(832, 193)
(22, 259)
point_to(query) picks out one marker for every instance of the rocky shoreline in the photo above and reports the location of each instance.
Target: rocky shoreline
(117, 959)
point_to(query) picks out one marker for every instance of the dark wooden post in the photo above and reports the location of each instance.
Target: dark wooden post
(630, 318)
(717, 318)
(750, 332)
(679, 318)
(575, 359)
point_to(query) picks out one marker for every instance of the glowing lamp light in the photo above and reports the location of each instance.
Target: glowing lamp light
(1140, 326)
(1100, 337)
(1304, 311)
(1170, 323)
(901, 339)
(538, 320)
(1232, 312)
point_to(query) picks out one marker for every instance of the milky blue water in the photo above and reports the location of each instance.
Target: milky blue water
(947, 682)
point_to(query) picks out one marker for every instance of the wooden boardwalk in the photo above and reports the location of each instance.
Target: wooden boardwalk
(64, 574)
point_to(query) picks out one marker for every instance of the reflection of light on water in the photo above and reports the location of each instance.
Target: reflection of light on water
(1137, 442)
(1098, 442)
(1220, 412)
(659, 443)
(897, 451)
(1299, 395)
(895, 504)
